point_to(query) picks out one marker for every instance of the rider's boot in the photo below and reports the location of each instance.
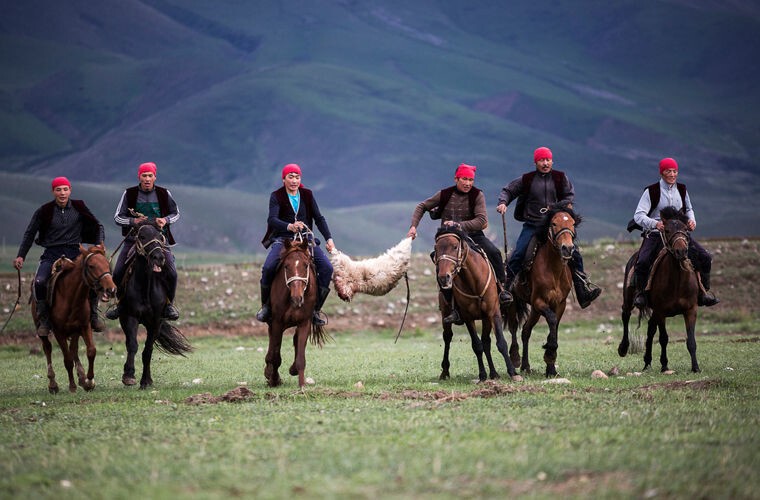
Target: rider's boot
(113, 313)
(97, 324)
(265, 313)
(505, 297)
(321, 297)
(453, 316)
(43, 317)
(640, 298)
(706, 298)
(585, 290)
(170, 312)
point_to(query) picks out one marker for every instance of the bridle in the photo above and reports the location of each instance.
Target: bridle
(300, 237)
(552, 236)
(89, 278)
(673, 238)
(463, 251)
(142, 247)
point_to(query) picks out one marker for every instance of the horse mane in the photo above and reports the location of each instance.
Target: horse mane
(670, 213)
(293, 246)
(451, 230)
(542, 232)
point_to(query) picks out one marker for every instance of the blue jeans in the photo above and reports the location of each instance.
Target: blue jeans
(322, 263)
(45, 267)
(516, 260)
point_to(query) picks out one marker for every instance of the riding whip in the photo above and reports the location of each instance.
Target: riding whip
(18, 299)
(504, 226)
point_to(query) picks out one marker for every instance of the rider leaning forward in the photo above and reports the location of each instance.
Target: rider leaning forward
(62, 224)
(666, 192)
(462, 206)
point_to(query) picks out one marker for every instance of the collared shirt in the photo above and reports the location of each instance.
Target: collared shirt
(669, 197)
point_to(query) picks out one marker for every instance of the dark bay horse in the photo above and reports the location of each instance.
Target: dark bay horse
(293, 298)
(544, 286)
(142, 303)
(70, 313)
(673, 289)
(469, 274)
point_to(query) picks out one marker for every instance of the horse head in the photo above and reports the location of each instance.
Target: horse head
(96, 271)
(675, 234)
(296, 263)
(150, 243)
(450, 254)
(558, 228)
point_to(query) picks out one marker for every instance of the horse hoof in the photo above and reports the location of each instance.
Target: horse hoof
(444, 376)
(88, 385)
(494, 376)
(72, 389)
(517, 378)
(293, 370)
(622, 351)
(128, 380)
(53, 389)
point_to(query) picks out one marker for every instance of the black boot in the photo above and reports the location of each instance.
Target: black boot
(639, 299)
(453, 316)
(265, 313)
(585, 290)
(97, 324)
(322, 294)
(505, 297)
(170, 312)
(43, 317)
(113, 313)
(706, 298)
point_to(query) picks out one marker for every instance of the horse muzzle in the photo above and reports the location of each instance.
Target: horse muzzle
(566, 251)
(445, 281)
(296, 301)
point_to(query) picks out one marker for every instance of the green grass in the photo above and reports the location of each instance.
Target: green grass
(404, 434)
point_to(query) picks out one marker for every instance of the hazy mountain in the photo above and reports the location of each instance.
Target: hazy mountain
(379, 101)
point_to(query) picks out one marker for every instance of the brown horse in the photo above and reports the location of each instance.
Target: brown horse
(673, 290)
(544, 286)
(293, 298)
(70, 313)
(469, 275)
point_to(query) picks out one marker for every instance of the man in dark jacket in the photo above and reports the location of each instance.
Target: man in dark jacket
(138, 204)
(62, 224)
(293, 208)
(463, 206)
(535, 191)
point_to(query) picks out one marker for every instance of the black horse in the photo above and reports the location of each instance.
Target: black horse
(142, 303)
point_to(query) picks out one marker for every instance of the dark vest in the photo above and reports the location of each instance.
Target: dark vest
(90, 227)
(654, 197)
(163, 205)
(472, 196)
(285, 211)
(527, 179)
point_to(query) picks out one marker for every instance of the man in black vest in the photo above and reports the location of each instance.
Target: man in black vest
(292, 208)
(664, 193)
(62, 225)
(535, 191)
(138, 204)
(463, 206)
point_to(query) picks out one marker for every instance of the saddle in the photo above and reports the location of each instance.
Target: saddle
(688, 266)
(59, 267)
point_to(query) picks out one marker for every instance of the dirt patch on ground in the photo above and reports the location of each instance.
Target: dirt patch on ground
(697, 385)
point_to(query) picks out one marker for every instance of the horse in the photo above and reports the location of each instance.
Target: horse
(70, 312)
(293, 298)
(468, 273)
(544, 286)
(673, 290)
(142, 303)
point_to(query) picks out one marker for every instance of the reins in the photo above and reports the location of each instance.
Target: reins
(463, 252)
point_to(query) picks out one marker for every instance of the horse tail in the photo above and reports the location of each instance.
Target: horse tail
(318, 335)
(521, 310)
(171, 340)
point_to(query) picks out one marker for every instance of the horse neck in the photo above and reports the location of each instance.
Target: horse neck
(475, 271)
(71, 283)
(549, 254)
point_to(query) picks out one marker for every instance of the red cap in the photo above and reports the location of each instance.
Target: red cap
(542, 153)
(146, 167)
(290, 168)
(668, 164)
(465, 170)
(60, 181)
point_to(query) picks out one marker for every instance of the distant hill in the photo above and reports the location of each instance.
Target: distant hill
(379, 101)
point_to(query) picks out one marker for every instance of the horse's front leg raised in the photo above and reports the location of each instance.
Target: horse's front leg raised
(129, 327)
(448, 334)
(550, 348)
(477, 348)
(47, 348)
(663, 346)
(690, 318)
(273, 358)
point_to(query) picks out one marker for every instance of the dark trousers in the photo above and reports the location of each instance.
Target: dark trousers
(45, 267)
(493, 253)
(321, 262)
(171, 270)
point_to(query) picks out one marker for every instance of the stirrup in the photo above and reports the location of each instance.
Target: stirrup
(113, 313)
(264, 314)
(97, 324)
(43, 330)
(170, 312)
(453, 317)
(316, 319)
(505, 297)
(707, 299)
(640, 300)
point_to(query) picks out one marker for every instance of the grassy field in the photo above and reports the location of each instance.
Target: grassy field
(377, 422)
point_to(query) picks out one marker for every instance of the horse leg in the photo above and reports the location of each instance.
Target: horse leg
(68, 362)
(527, 329)
(477, 348)
(550, 348)
(447, 336)
(485, 341)
(273, 358)
(501, 346)
(624, 343)
(690, 318)
(89, 383)
(514, 349)
(147, 354)
(47, 347)
(663, 339)
(74, 352)
(651, 327)
(129, 327)
(299, 363)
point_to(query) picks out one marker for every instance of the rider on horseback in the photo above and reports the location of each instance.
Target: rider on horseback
(666, 192)
(293, 209)
(62, 225)
(535, 192)
(142, 203)
(463, 206)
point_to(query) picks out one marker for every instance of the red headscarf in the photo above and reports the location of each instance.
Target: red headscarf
(60, 181)
(146, 167)
(542, 153)
(668, 164)
(290, 168)
(465, 170)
